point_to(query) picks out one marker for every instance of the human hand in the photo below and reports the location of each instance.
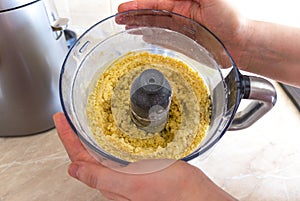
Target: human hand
(217, 15)
(179, 181)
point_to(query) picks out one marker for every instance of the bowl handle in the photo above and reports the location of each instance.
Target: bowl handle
(263, 97)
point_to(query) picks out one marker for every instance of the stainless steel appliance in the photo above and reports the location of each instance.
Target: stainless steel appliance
(32, 50)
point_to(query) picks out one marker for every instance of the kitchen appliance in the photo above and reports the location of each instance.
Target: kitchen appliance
(32, 49)
(166, 34)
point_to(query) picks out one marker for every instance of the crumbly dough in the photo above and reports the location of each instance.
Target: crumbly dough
(108, 110)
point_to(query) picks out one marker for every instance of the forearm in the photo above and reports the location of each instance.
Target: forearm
(270, 50)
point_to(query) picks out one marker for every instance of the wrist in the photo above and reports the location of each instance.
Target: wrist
(238, 47)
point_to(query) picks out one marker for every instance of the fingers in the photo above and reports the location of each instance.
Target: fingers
(160, 185)
(71, 142)
(187, 8)
(146, 4)
(131, 5)
(112, 183)
(113, 196)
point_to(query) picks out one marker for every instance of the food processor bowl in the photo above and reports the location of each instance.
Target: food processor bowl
(167, 34)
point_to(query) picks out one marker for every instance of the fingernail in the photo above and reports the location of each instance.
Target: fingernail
(73, 168)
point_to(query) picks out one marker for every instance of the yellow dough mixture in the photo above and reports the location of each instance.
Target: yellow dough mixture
(108, 109)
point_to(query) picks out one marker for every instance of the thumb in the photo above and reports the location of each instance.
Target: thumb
(146, 4)
(99, 177)
(131, 5)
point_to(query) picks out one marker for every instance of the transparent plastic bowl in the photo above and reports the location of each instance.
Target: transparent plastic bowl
(168, 34)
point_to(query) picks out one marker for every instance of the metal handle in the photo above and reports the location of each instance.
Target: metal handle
(58, 24)
(263, 96)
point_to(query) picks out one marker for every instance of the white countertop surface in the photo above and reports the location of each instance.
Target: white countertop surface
(261, 163)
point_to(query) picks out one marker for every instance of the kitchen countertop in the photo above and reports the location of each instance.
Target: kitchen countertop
(261, 163)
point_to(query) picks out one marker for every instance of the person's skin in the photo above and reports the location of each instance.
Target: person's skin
(178, 182)
(263, 48)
